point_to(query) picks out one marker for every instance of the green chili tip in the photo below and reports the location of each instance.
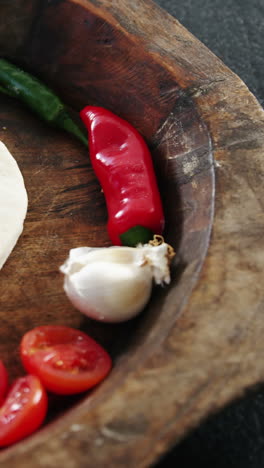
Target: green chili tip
(38, 97)
(64, 121)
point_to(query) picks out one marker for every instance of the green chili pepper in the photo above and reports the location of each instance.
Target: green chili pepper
(38, 97)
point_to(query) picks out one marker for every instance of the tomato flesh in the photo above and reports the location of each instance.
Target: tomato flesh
(66, 360)
(3, 382)
(23, 411)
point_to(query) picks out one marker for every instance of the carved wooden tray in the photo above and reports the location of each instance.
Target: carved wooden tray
(199, 343)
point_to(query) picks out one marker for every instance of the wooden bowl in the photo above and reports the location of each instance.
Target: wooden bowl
(199, 343)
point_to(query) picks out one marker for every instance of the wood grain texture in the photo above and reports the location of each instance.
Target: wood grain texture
(193, 349)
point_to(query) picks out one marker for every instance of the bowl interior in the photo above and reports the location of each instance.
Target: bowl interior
(89, 60)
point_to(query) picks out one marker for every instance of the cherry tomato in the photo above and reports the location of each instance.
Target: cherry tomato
(3, 382)
(23, 411)
(66, 360)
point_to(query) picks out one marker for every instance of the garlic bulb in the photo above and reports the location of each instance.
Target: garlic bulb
(114, 284)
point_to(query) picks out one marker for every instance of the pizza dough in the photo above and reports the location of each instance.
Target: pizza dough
(13, 203)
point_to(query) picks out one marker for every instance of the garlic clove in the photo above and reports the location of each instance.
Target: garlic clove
(109, 291)
(114, 284)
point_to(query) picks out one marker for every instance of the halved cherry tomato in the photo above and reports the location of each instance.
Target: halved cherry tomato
(23, 411)
(66, 360)
(3, 382)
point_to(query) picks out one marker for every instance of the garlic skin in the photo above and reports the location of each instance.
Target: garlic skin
(114, 284)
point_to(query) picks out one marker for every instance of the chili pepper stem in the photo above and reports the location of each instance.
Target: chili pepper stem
(136, 235)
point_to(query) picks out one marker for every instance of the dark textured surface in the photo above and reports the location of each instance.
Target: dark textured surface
(233, 438)
(234, 31)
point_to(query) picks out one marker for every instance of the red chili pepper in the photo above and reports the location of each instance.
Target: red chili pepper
(123, 165)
